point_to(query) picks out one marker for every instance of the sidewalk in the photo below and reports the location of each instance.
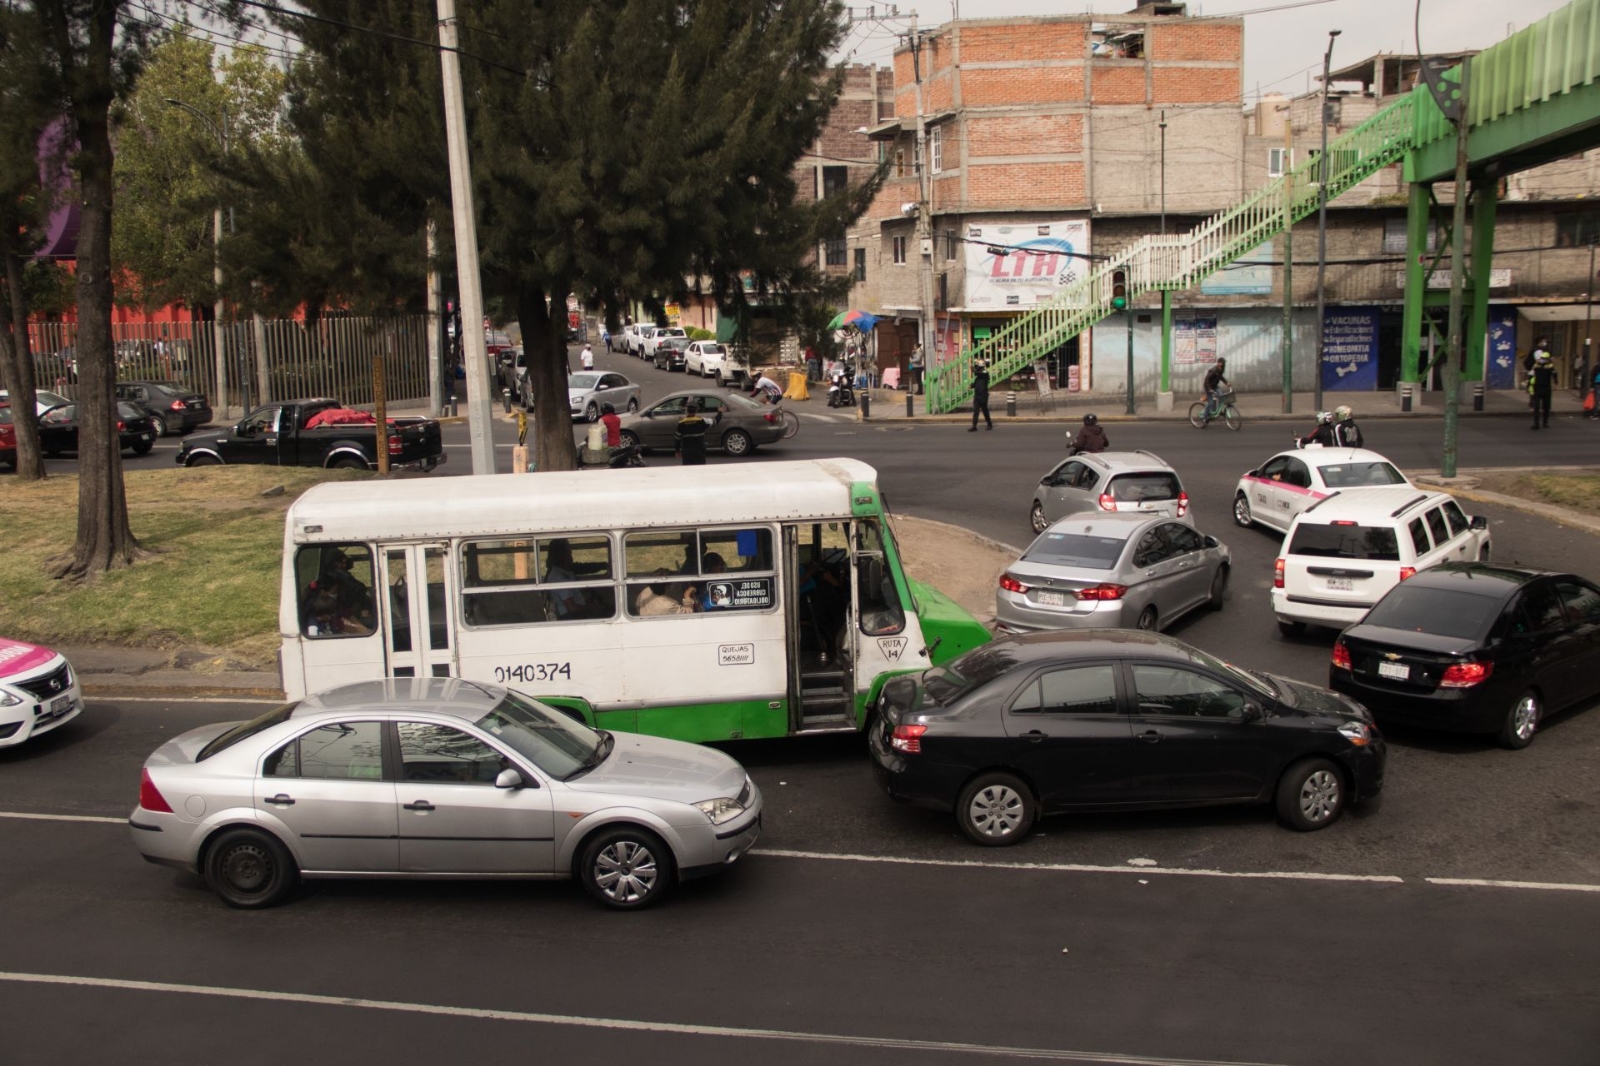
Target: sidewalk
(890, 405)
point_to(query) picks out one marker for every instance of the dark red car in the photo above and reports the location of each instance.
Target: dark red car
(8, 438)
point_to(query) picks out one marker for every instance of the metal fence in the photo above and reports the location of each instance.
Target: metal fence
(263, 360)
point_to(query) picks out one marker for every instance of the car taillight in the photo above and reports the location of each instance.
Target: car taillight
(150, 797)
(121, 427)
(1011, 584)
(1108, 502)
(1341, 655)
(1183, 504)
(907, 738)
(177, 405)
(394, 445)
(1277, 574)
(1407, 571)
(770, 417)
(1465, 675)
(1102, 592)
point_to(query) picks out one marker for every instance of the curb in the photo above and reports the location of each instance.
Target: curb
(1549, 511)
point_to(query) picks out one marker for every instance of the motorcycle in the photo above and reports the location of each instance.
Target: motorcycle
(629, 455)
(841, 393)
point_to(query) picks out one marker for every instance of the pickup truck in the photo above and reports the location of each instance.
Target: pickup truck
(275, 435)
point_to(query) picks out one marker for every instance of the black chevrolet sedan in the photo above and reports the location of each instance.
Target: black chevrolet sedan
(1474, 648)
(171, 407)
(1101, 720)
(58, 429)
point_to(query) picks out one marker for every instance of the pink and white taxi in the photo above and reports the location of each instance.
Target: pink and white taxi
(1289, 482)
(38, 691)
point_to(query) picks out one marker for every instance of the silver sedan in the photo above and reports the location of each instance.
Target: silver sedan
(437, 777)
(588, 389)
(1112, 571)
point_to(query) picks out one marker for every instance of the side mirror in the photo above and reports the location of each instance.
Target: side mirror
(1252, 473)
(601, 388)
(1251, 712)
(1479, 522)
(508, 779)
(1209, 541)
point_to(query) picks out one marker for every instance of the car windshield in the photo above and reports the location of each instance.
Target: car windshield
(1442, 612)
(1075, 549)
(582, 381)
(246, 729)
(1346, 541)
(1134, 488)
(947, 683)
(1354, 475)
(556, 744)
(50, 399)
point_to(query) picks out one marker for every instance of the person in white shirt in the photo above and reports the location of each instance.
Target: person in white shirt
(587, 358)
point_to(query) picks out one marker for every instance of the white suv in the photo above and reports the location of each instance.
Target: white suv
(1344, 552)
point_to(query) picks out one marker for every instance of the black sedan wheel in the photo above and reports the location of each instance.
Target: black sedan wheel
(142, 447)
(995, 810)
(626, 868)
(1311, 795)
(157, 426)
(250, 869)
(1522, 721)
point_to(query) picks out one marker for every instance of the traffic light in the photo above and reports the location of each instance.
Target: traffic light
(1119, 290)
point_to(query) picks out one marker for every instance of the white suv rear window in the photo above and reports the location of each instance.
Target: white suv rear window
(1346, 541)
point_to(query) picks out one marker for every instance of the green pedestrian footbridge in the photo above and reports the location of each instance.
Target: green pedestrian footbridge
(1530, 99)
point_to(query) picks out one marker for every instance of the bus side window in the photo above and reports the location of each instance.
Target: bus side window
(528, 581)
(880, 608)
(334, 585)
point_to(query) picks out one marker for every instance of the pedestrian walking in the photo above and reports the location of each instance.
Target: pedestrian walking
(690, 440)
(980, 396)
(586, 357)
(916, 369)
(813, 365)
(1541, 368)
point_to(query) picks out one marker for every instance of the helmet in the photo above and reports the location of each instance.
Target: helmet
(1342, 413)
(1324, 417)
(1091, 419)
(607, 409)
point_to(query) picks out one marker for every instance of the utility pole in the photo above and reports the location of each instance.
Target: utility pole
(1163, 173)
(435, 381)
(1288, 259)
(1588, 309)
(924, 212)
(1322, 224)
(1458, 237)
(474, 349)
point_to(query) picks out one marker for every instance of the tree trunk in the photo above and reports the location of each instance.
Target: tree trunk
(104, 541)
(16, 373)
(544, 338)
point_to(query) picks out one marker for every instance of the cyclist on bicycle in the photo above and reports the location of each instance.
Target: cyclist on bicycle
(1215, 383)
(1323, 432)
(768, 390)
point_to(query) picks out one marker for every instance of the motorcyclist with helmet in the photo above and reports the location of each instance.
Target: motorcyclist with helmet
(1346, 433)
(1322, 434)
(1091, 438)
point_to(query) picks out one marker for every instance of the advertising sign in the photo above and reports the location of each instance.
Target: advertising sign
(1349, 349)
(1033, 266)
(1248, 275)
(747, 594)
(1500, 364)
(674, 314)
(1041, 377)
(1194, 338)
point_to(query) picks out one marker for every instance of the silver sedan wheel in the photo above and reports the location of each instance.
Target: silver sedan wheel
(1320, 796)
(1036, 518)
(997, 812)
(625, 871)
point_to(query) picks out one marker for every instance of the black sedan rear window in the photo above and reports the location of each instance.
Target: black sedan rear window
(1345, 542)
(1442, 612)
(1134, 488)
(1073, 549)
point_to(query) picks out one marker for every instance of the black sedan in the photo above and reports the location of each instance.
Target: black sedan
(171, 407)
(1474, 648)
(58, 429)
(669, 353)
(1102, 720)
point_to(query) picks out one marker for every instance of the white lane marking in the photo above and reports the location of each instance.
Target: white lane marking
(1478, 882)
(26, 816)
(622, 1024)
(1072, 867)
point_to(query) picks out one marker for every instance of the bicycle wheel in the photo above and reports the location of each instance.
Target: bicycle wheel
(791, 424)
(1231, 413)
(1196, 415)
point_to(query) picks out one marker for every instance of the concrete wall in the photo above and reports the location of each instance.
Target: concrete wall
(1250, 339)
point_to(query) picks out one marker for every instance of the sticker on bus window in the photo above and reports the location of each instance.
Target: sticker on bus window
(892, 647)
(748, 594)
(736, 654)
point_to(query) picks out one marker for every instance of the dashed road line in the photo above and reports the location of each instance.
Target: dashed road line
(616, 1024)
(1543, 886)
(28, 816)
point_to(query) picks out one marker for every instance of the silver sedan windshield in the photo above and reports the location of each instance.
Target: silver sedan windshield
(549, 739)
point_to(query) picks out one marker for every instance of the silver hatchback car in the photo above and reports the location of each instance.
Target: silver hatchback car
(1112, 571)
(438, 777)
(1107, 482)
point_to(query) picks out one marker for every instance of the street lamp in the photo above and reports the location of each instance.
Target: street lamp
(217, 336)
(1322, 220)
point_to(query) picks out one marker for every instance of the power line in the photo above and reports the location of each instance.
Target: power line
(284, 12)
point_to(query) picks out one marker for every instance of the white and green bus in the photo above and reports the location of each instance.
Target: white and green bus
(702, 603)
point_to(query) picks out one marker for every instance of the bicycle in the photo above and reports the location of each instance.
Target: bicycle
(790, 420)
(1224, 409)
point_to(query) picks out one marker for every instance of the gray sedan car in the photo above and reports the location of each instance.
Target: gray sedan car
(438, 777)
(1112, 571)
(738, 425)
(588, 389)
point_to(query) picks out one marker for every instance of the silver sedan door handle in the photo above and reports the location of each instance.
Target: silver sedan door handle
(282, 800)
(420, 805)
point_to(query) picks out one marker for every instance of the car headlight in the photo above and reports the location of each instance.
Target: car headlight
(1357, 733)
(720, 810)
(8, 700)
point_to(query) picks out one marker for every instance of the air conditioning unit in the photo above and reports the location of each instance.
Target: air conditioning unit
(927, 247)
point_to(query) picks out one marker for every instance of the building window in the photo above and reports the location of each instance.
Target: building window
(1574, 229)
(899, 162)
(936, 149)
(835, 252)
(1116, 42)
(950, 242)
(861, 264)
(835, 180)
(1394, 235)
(899, 245)
(1279, 161)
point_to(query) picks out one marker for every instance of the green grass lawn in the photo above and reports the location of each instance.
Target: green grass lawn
(1579, 490)
(210, 583)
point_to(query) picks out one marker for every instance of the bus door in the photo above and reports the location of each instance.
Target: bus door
(419, 631)
(820, 624)
(886, 632)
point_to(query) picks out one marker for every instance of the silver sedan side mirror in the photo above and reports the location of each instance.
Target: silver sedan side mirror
(508, 779)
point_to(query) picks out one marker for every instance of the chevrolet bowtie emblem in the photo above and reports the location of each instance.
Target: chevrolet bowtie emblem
(1391, 656)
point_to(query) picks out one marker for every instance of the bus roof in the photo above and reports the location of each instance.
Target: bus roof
(478, 505)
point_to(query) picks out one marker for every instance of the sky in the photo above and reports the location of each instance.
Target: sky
(1282, 48)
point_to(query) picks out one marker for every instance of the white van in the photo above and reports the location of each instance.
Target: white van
(1343, 553)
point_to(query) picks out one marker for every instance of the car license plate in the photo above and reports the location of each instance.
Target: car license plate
(1341, 584)
(1046, 598)
(60, 705)
(144, 436)
(1398, 671)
